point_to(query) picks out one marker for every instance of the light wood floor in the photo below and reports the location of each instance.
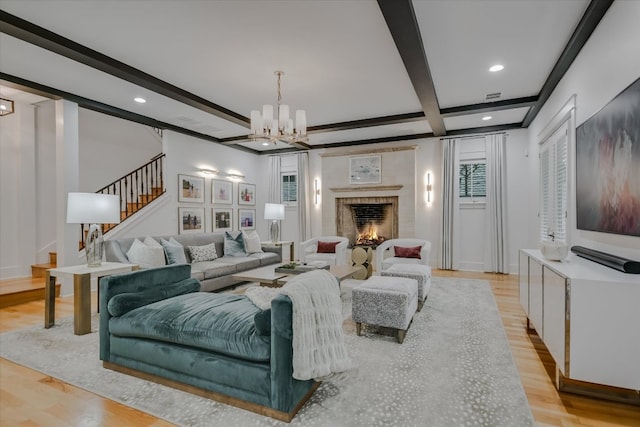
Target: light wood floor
(28, 398)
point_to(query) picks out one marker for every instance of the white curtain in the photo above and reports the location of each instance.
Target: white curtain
(449, 240)
(274, 180)
(496, 252)
(304, 222)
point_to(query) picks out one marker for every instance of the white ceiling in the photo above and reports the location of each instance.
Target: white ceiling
(340, 60)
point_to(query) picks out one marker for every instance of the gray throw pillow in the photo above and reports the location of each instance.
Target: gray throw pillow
(234, 246)
(174, 251)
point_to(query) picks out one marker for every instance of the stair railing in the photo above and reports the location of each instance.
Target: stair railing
(135, 190)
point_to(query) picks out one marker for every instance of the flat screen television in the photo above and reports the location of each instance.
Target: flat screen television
(608, 167)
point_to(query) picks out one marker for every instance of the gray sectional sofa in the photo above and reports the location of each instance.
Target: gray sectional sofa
(212, 275)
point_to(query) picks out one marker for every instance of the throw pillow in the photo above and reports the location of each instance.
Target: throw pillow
(146, 256)
(125, 302)
(151, 242)
(327, 247)
(407, 252)
(234, 246)
(252, 241)
(262, 321)
(203, 253)
(174, 251)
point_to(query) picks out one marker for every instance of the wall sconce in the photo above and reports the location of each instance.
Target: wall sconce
(316, 191)
(429, 187)
(6, 107)
(219, 173)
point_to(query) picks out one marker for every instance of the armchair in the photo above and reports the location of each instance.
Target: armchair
(382, 263)
(309, 250)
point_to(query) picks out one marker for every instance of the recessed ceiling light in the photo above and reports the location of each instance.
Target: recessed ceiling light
(496, 67)
(265, 143)
(485, 118)
(140, 100)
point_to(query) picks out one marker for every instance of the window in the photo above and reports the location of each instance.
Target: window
(289, 188)
(473, 181)
(553, 187)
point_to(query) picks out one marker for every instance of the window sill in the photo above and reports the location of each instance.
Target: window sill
(476, 205)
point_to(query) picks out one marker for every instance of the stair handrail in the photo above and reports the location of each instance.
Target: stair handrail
(135, 189)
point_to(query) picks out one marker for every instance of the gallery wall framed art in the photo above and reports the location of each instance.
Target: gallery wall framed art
(190, 189)
(365, 170)
(246, 194)
(222, 219)
(221, 192)
(190, 220)
(246, 219)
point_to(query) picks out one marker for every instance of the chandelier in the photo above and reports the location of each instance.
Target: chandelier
(280, 127)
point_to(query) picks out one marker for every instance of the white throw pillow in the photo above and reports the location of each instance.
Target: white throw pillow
(146, 256)
(252, 241)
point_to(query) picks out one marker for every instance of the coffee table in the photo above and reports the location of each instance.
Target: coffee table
(267, 276)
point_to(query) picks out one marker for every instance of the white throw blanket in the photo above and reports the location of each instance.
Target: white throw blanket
(318, 340)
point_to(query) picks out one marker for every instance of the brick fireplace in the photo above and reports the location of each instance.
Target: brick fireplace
(367, 221)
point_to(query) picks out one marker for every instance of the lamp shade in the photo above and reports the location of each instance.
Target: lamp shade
(93, 208)
(273, 211)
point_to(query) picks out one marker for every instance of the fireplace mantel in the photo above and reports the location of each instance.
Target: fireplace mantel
(367, 188)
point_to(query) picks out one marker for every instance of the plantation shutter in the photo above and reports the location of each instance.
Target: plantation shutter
(553, 186)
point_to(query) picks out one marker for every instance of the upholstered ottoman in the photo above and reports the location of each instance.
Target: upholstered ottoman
(385, 301)
(420, 272)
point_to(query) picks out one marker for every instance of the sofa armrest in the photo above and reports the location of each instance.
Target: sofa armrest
(272, 248)
(286, 391)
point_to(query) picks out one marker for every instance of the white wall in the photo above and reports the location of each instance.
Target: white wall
(17, 192)
(607, 64)
(103, 139)
(45, 183)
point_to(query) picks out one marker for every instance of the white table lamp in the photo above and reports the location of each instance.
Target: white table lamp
(93, 209)
(275, 213)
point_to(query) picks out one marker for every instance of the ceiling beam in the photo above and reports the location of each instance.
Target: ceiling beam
(110, 110)
(588, 23)
(486, 107)
(39, 36)
(403, 25)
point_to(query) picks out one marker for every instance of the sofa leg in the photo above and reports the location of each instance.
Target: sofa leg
(401, 335)
(358, 328)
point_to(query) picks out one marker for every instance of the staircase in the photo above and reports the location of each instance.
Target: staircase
(26, 289)
(136, 190)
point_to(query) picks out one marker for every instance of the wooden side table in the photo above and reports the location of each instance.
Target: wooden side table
(81, 275)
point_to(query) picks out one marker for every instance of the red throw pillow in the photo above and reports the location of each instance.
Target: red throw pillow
(327, 247)
(403, 252)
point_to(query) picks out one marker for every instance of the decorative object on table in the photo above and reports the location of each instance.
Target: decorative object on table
(608, 167)
(221, 192)
(295, 268)
(365, 170)
(275, 213)
(246, 194)
(271, 129)
(94, 209)
(246, 219)
(554, 250)
(612, 261)
(362, 256)
(190, 220)
(222, 219)
(190, 189)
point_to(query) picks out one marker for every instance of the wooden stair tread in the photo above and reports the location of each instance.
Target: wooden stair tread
(45, 266)
(20, 290)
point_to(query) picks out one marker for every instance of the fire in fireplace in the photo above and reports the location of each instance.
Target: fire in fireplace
(367, 221)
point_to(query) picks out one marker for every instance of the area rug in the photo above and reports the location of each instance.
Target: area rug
(454, 368)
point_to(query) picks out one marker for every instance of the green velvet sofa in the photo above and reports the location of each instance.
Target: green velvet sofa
(155, 324)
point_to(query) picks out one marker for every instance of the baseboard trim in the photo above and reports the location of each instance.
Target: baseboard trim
(218, 397)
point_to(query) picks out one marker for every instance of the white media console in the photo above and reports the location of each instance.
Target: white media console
(588, 316)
